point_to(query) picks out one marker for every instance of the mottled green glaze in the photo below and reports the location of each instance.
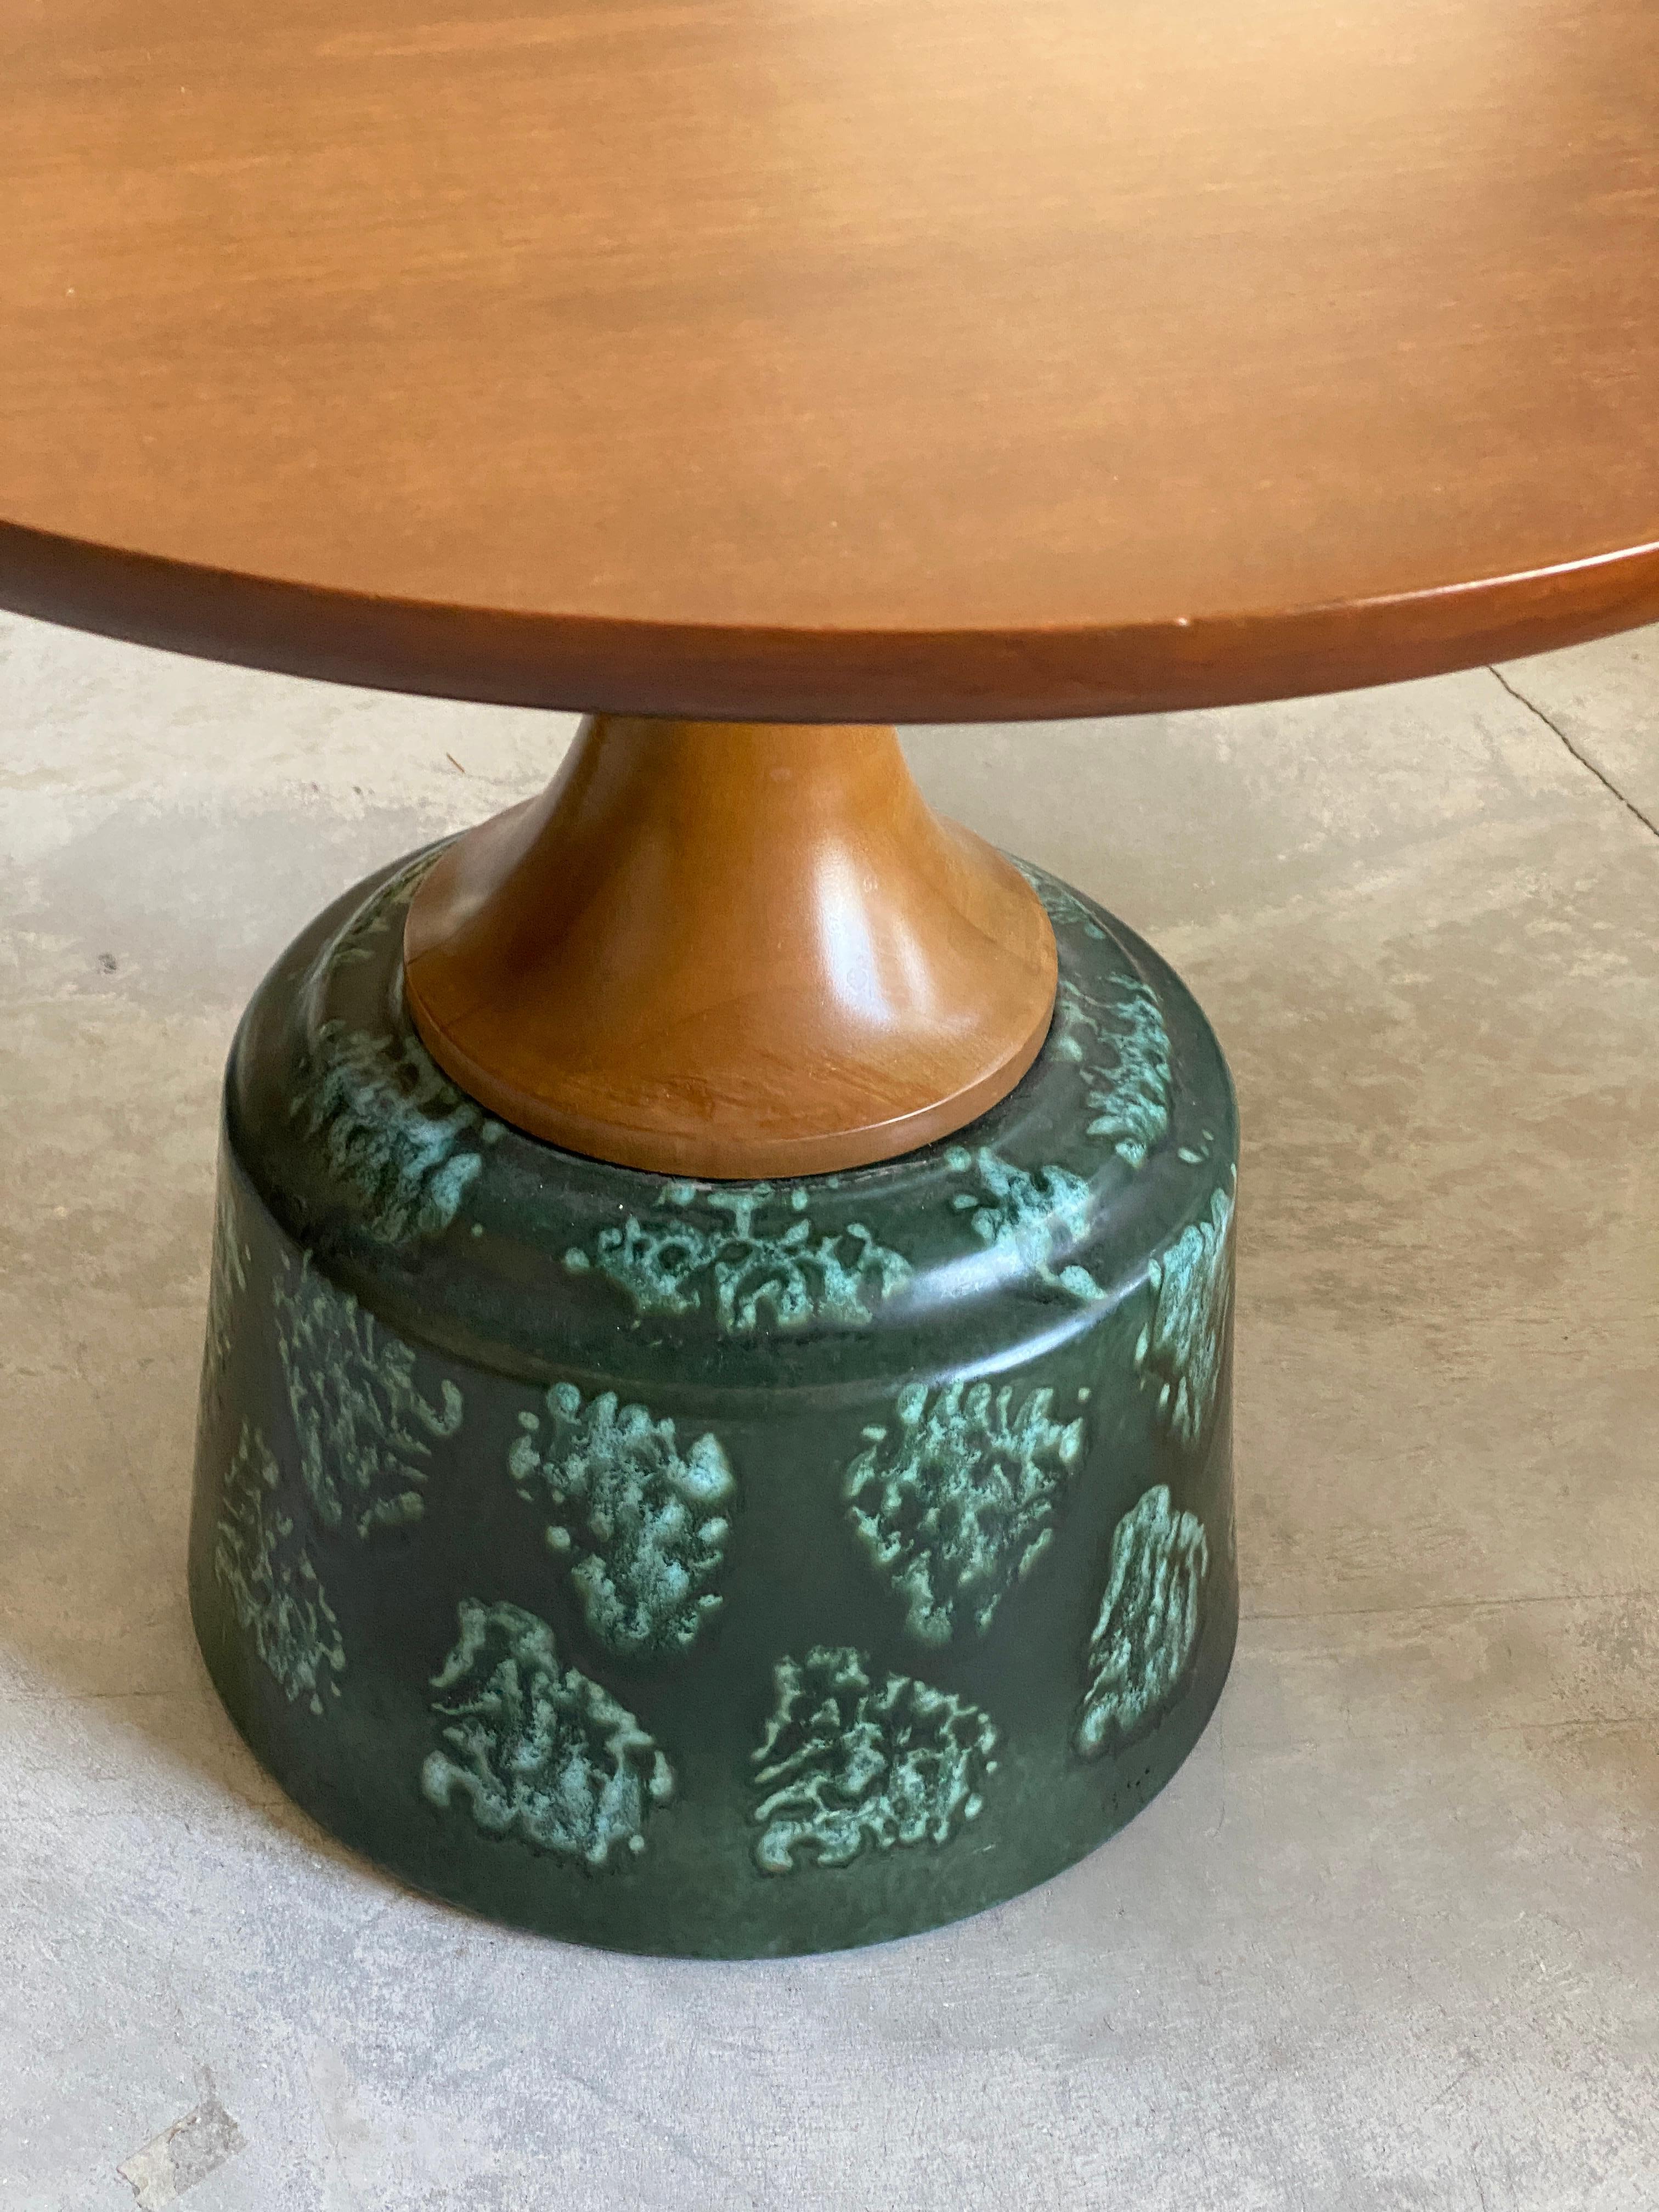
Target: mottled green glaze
(395, 1129)
(1028, 1217)
(648, 1527)
(363, 1430)
(279, 1601)
(537, 1751)
(1122, 1048)
(955, 1498)
(722, 1569)
(848, 1765)
(753, 1251)
(1149, 1622)
(1183, 1343)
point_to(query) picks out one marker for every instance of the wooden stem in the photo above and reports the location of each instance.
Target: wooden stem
(730, 950)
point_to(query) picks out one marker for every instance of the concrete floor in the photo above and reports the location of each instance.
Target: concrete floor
(1392, 1937)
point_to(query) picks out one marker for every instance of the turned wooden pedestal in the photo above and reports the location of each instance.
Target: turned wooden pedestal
(729, 950)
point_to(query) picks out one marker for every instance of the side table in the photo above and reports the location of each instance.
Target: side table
(716, 1421)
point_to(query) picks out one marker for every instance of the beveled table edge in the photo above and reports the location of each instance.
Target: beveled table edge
(583, 663)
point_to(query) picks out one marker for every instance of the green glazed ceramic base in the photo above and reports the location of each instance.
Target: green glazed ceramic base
(728, 1570)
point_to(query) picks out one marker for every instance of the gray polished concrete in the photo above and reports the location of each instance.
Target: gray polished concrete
(1391, 1938)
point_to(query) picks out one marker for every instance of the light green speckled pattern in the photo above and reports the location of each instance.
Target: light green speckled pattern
(645, 1526)
(396, 1130)
(1122, 1047)
(226, 1284)
(365, 1432)
(1070, 914)
(279, 1601)
(752, 1250)
(1149, 1621)
(1027, 1218)
(849, 1763)
(538, 1751)
(954, 1498)
(1181, 1346)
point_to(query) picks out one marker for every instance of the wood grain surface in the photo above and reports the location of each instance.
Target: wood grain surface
(832, 359)
(730, 950)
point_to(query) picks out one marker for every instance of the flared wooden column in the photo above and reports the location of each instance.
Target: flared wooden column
(730, 950)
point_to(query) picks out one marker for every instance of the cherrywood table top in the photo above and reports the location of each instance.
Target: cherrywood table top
(841, 359)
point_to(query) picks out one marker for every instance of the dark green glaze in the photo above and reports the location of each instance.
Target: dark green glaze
(728, 1570)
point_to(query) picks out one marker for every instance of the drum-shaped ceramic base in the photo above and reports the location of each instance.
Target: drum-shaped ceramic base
(721, 1569)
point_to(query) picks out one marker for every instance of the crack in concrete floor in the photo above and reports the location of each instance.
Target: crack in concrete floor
(1583, 758)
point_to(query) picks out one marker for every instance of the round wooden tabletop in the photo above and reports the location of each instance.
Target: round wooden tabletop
(832, 359)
